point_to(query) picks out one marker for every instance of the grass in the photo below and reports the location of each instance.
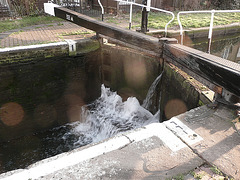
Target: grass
(159, 20)
(155, 20)
(215, 170)
(76, 33)
(198, 176)
(7, 25)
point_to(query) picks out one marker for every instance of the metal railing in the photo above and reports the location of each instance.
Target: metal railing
(4, 3)
(148, 7)
(4, 9)
(80, 6)
(100, 4)
(211, 22)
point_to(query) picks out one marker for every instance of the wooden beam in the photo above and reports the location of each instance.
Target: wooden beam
(212, 71)
(206, 68)
(121, 34)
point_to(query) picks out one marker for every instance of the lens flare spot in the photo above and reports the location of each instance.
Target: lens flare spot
(135, 73)
(75, 104)
(11, 113)
(174, 107)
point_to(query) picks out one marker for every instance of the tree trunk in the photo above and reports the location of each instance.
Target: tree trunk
(27, 7)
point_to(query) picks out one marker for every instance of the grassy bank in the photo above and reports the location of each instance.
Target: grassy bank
(155, 20)
(159, 20)
(7, 25)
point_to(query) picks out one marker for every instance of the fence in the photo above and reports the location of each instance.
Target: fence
(87, 7)
(4, 9)
(10, 8)
(211, 22)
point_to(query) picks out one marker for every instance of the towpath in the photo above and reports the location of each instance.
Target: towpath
(43, 34)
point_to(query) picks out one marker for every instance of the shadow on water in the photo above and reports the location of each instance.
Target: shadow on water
(226, 47)
(37, 99)
(62, 105)
(49, 106)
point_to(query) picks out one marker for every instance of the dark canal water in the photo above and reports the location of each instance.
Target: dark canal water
(37, 99)
(54, 105)
(227, 47)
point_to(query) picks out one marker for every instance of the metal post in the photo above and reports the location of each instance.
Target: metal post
(153, 8)
(181, 28)
(100, 4)
(130, 19)
(210, 31)
(144, 18)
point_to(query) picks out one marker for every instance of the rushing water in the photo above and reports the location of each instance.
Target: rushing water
(108, 116)
(105, 117)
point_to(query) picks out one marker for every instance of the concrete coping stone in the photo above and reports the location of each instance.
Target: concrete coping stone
(31, 47)
(51, 165)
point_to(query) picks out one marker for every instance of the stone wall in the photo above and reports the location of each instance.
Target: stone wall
(33, 52)
(131, 73)
(42, 86)
(180, 92)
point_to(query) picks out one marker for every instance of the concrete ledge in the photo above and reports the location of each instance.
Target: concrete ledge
(59, 49)
(158, 150)
(195, 33)
(32, 52)
(167, 142)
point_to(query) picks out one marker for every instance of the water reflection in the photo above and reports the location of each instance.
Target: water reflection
(36, 100)
(49, 93)
(45, 93)
(227, 47)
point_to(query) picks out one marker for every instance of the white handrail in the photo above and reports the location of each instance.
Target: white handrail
(157, 9)
(100, 4)
(211, 22)
(130, 17)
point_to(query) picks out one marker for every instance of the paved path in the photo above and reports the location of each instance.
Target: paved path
(41, 34)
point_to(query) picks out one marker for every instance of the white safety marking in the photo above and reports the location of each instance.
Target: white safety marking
(159, 130)
(72, 45)
(49, 8)
(32, 46)
(70, 159)
(182, 131)
(238, 54)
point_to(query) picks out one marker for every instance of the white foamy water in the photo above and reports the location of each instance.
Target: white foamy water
(108, 116)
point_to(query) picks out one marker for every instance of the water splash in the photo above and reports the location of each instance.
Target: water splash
(148, 100)
(108, 116)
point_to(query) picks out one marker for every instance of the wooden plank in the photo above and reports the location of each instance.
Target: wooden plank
(121, 34)
(211, 70)
(214, 69)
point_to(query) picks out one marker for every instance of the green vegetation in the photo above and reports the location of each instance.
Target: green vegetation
(75, 33)
(159, 20)
(198, 175)
(26, 21)
(215, 170)
(178, 177)
(155, 20)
